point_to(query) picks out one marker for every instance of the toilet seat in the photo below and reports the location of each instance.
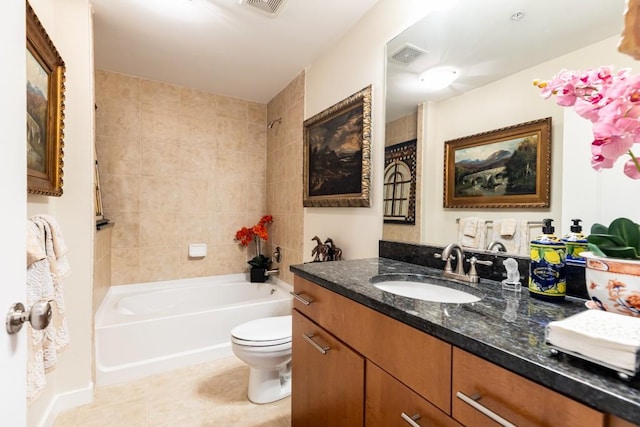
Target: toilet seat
(265, 332)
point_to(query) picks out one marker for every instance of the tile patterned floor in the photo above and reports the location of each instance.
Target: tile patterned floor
(213, 394)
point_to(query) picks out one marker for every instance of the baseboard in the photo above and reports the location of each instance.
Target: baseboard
(65, 401)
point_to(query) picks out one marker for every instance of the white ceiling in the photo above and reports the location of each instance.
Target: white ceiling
(219, 46)
(480, 38)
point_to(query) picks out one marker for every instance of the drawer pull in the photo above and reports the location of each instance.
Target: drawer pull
(472, 401)
(411, 420)
(321, 348)
(297, 295)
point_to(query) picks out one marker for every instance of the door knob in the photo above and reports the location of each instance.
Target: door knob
(39, 316)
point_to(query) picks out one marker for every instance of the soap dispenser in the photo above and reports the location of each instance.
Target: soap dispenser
(576, 243)
(547, 278)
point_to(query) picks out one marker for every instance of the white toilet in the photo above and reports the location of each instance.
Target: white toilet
(265, 345)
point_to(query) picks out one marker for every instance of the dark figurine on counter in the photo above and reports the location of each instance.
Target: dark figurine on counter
(326, 251)
(331, 252)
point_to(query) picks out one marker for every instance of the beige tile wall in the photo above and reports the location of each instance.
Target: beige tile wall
(397, 131)
(179, 166)
(101, 266)
(284, 174)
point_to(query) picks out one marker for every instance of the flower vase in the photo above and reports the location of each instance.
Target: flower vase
(258, 275)
(613, 284)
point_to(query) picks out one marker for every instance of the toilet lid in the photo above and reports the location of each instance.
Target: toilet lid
(272, 330)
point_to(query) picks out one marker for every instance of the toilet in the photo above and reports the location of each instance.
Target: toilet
(265, 345)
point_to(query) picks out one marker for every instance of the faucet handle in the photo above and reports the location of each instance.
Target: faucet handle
(447, 265)
(473, 273)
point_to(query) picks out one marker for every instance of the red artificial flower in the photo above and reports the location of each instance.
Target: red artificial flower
(246, 235)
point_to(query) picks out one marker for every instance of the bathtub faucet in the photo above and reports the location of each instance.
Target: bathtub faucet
(275, 271)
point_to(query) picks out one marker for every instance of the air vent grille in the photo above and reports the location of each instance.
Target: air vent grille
(407, 54)
(269, 7)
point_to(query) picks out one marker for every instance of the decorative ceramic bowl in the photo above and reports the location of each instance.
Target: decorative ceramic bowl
(613, 284)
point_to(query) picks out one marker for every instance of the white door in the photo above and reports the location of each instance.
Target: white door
(13, 209)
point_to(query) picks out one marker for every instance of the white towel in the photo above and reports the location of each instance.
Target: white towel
(611, 338)
(47, 267)
(513, 234)
(472, 232)
(507, 227)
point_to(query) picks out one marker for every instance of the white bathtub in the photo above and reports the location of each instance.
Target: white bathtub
(147, 328)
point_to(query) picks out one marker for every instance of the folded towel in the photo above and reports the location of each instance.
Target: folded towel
(518, 241)
(472, 232)
(610, 338)
(469, 226)
(47, 267)
(507, 227)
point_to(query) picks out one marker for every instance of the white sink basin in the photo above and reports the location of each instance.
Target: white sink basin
(426, 291)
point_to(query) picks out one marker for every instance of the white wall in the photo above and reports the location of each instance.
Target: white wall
(508, 102)
(68, 24)
(355, 62)
(13, 210)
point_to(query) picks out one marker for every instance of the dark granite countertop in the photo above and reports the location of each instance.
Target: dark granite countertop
(479, 328)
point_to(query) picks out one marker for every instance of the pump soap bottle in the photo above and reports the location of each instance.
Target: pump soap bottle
(547, 278)
(576, 243)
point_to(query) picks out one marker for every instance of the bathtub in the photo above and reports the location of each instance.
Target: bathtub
(148, 328)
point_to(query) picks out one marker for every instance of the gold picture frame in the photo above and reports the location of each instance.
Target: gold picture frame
(503, 168)
(337, 154)
(45, 111)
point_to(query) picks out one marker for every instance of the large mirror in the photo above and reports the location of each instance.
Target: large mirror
(494, 50)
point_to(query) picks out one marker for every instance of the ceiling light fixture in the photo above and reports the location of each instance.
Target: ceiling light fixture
(439, 77)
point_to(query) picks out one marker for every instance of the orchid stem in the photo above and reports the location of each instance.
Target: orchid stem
(635, 160)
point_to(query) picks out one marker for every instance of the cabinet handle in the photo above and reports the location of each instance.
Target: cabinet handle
(411, 420)
(472, 401)
(297, 295)
(321, 348)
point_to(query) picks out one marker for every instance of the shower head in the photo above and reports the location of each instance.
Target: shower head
(272, 123)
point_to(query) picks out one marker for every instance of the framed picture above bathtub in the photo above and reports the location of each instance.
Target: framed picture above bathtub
(337, 154)
(502, 168)
(45, 110)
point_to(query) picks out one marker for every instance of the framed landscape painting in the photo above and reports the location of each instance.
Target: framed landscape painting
(337, 154)
(503, 168)
(45, 111)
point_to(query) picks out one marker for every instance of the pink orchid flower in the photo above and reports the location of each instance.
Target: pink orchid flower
(610, 99)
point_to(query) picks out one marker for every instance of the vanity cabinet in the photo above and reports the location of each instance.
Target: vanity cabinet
(389, 402)
(516, 399)
(327, 378)
(399, 349)
(377, 368)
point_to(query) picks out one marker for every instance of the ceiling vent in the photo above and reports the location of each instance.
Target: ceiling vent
(407, 54)
(267, 7)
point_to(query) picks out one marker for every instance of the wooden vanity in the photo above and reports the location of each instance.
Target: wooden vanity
(355, 366)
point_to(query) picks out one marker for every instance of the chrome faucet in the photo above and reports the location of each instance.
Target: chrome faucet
(459, 257)
(497, 244)
(459, 273)
(272, 272)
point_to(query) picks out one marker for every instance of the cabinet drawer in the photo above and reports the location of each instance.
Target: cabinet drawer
(420, 361)
(515, 398)
(327, 378)
(387, 399)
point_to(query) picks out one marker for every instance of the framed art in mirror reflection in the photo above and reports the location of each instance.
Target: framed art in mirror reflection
(504, 168)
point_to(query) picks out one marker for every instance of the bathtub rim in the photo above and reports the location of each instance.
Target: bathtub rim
(117, 291)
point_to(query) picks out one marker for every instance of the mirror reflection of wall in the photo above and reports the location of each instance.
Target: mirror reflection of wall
(399, 131)
(498, 49)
